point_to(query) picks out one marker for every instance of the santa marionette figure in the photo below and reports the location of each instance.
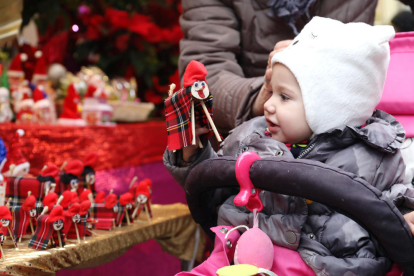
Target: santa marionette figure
(71, 108)
(48, 176)
(88, 174)
(126, 201)
(142, 200)
(23, 215)
(190, 105)
(6, 219)
(72, 172)
(16, 164)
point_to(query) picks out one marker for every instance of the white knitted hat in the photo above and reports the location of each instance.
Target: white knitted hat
(341, 70)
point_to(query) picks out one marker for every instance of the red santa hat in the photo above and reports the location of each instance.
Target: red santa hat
(142, 190)
(125, 199)
(56, 214)
(74, 167)
(67, 199)
(40, 71)
(85, 195)
(110, 201)
(29, 203)
(39, 98)
(50, 200)
(15, 155)
(195, 71)
(100, 197)
(50, 173)
(15, 68)
(91, 159)
(73, 210)
(84, 207)
(5, 213)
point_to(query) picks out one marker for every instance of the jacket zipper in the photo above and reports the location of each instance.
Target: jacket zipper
(308, 149)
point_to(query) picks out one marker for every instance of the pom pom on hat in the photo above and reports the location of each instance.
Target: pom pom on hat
(5, 213)
(125, 199)
(23, 57)
(38, 54)
(195, 71)
(91, 159)
(56, 214)
(67, 199)
(29, 203)
(110, 201)
(84, 195)
(73, 209)
(50, 200)
(100, 197)
(74, 167)
(84, 207)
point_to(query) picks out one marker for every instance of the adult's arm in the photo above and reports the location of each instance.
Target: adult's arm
(212, 37)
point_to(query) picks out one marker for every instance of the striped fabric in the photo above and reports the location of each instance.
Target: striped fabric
(42, 234)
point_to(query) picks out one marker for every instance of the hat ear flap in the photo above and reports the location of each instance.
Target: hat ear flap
(383, 33)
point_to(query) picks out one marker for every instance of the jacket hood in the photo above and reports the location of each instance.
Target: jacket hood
(382, 132)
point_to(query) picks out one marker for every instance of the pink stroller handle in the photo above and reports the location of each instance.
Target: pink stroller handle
(248, 195)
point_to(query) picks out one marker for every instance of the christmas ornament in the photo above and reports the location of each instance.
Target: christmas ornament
(16, 164)
(6, 114)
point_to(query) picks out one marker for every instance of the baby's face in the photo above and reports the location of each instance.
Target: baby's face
(284, 111)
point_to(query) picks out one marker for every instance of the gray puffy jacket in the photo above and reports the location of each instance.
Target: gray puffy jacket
(329, 242)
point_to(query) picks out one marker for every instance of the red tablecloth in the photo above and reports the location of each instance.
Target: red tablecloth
(119, 146)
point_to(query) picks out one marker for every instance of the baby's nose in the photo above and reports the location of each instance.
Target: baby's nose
(269, 107)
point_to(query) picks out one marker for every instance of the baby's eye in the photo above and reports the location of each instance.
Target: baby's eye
(284, 97)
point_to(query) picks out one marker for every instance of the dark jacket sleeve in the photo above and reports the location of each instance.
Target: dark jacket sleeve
(212, 37)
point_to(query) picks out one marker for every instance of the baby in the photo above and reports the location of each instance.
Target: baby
(326, 86)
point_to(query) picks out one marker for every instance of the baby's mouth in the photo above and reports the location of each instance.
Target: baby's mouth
(271, 124)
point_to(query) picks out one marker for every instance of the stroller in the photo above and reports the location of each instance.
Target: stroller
(376, 218)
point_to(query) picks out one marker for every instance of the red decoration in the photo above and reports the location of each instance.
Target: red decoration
(120, 146)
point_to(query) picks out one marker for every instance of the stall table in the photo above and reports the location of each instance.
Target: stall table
(172, 227)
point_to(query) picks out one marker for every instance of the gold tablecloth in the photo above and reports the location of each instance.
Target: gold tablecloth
(172, 227)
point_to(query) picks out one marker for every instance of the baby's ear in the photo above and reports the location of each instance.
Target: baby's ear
(382, 33)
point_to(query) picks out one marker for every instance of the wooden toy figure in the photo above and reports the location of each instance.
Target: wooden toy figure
(192, 104)
(6, 218)
(88, 173)
(143, 198)
(48, 176)
(74, 216)
(126, 201)
(72, 172)
(22, 217)
(2, 239)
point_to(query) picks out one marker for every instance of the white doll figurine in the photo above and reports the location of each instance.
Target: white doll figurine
(5, 110)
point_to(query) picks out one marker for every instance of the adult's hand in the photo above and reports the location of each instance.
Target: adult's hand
(264, 94)
(409, 218)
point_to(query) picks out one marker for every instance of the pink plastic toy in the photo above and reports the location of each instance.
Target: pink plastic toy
(248, 195)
